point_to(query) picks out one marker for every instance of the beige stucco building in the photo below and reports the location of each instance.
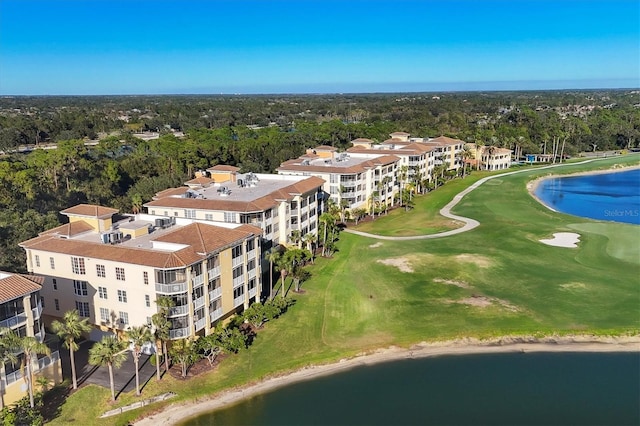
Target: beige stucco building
(490, 157)
(20, 311)
(113, 267)
(352, 177)
(277, 204)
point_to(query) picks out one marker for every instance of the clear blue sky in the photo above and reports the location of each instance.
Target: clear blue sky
(311, 46)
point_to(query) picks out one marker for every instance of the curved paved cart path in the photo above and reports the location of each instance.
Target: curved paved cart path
(469, 223)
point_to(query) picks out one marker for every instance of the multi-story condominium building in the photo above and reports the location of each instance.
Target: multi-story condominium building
(490, 157)
(447, 151)
(20, 311)
(112, 268)
(353, 178)
(276, 203)
(416, 158)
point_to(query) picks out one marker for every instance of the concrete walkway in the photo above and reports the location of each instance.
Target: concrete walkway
(469, 223)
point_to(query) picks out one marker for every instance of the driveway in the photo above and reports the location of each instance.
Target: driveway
(124, 377)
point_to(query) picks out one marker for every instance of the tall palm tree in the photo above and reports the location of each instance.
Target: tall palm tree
(272, 257)
(110, 352)
(9, 341)
(30, 347)
(165, 303)
(310, 239)
(283, 266)
(138, 336)
(327, 220)
(161, 325)
(69, 330)
(465, 154)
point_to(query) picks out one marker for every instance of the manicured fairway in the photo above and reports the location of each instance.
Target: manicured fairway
(497, 279)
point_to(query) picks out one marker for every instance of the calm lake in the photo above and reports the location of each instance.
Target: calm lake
(611, 196)
(495, 389)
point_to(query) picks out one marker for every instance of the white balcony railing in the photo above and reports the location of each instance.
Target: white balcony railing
(215, 293)
(14, 320)
(171, 288)
(252, 273)
(253, 292)
(199, 302)
(48, 360)
(237, 261)
(238, 301)
(197, 280)
(251, 254)
(178, 310)
(238, 281)
(14, 377)
(179, 333)
(214, 272)
(200, 324)
(215, 314)
(37, 311)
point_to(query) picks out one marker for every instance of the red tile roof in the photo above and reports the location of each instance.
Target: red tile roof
(15, 286)
(223, 168)
(90, 210)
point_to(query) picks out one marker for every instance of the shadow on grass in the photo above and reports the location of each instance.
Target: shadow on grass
(53, 400)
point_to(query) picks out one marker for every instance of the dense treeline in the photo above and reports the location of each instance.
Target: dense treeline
(256, 134)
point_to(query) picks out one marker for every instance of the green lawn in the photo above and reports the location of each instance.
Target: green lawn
(353, 303)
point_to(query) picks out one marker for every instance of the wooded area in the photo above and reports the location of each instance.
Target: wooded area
(256, 133)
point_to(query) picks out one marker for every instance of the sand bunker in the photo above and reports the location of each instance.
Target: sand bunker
(563, 239)
(401, 263)
(375, 245)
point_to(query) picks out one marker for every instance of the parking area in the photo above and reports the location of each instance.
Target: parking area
(124, 377)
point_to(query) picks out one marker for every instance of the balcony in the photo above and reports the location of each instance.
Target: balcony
(251, 273)
(37, 311)
(40, 334)
(238, 301)
(178, 310)
(238, 281)
(199, 302)
(171, 288)
(48, 360)
(13, 377)
(215, 314)
(349, 183)
(253, 291)
(179, 333)
(214, 272)
(237, 261)
(197, 280)
(200, 324)
(251, 254)
(294, 212)
(14, 321)
(215, 293)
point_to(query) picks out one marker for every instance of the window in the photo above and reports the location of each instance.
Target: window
(122, 296)
(83, 308)
(236, 252)
(237, 272)
(119, 274)
(37, 261)
(252, 283)
(100, 271)
(52, 262)
(102, 291)
(208, 216)
(42, 301)
(147, 300)
(104, 315)
(55, 284)
(149, 322)
(251, 264)
(77, 265)
(230, 217)
(57, 303)
(238, 291)
(251, 244)
(124, 318)
(334, 178)
(145, 277)
(267, 230)
(80, 288)
(189, 213)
